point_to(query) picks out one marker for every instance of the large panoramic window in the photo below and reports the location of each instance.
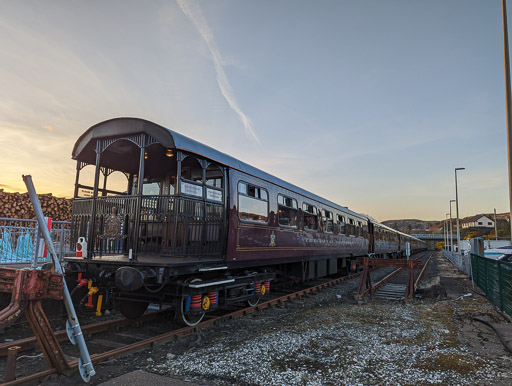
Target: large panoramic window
(252, 202)
(287, 211)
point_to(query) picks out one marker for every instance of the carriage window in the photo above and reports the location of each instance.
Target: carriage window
(214, 183)
(252, 203)
(151, 189)
(350, 227)
(341, 224)
(359, 231)
(287, 211)
(214, 176)
(310, 217)
(328, 221)
(191, 169)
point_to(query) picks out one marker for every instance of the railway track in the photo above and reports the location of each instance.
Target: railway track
(118, 349)
(147, 343)
(393, 286)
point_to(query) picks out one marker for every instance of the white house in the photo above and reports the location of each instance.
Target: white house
(478, 221)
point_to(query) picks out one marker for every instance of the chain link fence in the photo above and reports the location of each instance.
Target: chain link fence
(462, 262)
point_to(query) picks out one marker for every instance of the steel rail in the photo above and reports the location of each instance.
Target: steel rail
(95, 328)
(420, 275)
(386, 278)
(186, 331)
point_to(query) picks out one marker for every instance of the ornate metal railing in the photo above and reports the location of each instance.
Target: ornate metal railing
(163, 225)
(20, 242)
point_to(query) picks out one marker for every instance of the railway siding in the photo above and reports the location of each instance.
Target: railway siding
(330, 339)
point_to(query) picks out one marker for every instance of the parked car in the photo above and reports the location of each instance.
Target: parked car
(497, 253)
(506, 257)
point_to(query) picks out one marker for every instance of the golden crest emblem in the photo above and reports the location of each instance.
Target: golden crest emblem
(113, 228)
(273, 239)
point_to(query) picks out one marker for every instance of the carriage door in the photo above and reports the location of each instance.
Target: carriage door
(202, 224)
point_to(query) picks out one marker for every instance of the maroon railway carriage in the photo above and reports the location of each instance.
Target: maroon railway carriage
(197, 228)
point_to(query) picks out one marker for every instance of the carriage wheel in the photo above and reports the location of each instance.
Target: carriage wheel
(254, 301)
(188, 318)
(132, 309)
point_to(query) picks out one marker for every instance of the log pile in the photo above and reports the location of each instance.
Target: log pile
(18, 205)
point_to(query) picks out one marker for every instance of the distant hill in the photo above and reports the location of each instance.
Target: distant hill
(413, 226)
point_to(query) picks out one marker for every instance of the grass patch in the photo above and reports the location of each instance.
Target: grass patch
(458, 363)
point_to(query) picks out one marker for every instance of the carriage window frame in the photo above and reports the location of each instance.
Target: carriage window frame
(327, 220)
(314, 213)
(341, 224)
(359, 227)
(262, 197)
(214, 193)
(186, 169)
(281, 202)
(365, 229)
(190, 187)
(350, 228)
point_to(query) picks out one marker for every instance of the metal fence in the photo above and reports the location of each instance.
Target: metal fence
(494, 277)
(20, 241)
(462, 262)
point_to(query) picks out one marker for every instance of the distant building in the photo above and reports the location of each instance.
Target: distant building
(478, 221)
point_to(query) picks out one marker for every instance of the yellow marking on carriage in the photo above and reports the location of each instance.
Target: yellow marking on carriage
(206, 303)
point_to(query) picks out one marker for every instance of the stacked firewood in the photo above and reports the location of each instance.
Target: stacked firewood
(18, 205)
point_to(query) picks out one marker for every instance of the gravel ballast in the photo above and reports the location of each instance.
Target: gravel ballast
(331, 339)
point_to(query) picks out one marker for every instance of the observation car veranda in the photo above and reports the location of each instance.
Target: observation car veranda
(197, 228)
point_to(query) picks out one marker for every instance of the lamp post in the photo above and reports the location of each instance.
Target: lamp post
(508, 100)
(446, 231)
(457, 206)
(451, 227)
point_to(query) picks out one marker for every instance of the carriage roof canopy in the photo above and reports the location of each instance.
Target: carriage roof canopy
(124, 155)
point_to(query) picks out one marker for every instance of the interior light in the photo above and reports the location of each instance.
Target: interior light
(169, 153)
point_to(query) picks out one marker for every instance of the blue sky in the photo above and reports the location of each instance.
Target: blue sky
(368, 103)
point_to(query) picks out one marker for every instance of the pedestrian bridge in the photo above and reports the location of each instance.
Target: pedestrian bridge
(433, 236)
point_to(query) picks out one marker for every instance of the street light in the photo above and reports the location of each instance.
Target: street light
(508, 100)
(457, 206)
(446, 227)
(451, 227)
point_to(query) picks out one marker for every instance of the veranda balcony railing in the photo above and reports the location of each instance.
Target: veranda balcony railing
(165, 225)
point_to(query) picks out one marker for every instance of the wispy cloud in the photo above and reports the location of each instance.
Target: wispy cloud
(6, 186)
(193, 12)
(49, 128)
